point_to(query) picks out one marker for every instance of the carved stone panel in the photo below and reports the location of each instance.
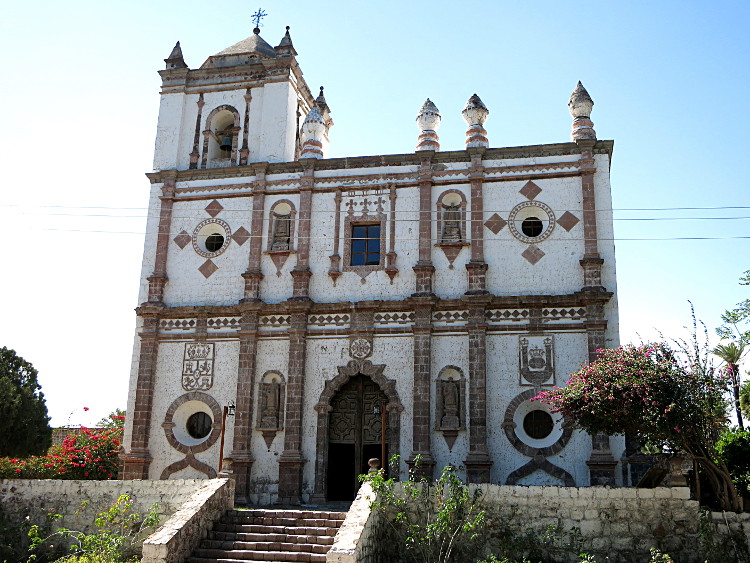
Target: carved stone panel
(536, 360)
(198, 366)
(360, 348)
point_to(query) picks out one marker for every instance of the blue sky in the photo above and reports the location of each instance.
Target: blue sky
(670, 81)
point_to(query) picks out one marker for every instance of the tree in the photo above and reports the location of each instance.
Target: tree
(24, 424)
(745, 398)
(732, 353)
(739, 335)
(115, 419)
(733, 318)
(662, 397)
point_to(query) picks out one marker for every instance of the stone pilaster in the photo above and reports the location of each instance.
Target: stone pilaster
(158, 279)
(241, 457)
(476, 269)
(422, 337)
(137, 459)
(195, 155)
(245, 151)
(424, 268)
(291, 461)
(301, 272)
(602, 463)
(478, 462)
(253, 274)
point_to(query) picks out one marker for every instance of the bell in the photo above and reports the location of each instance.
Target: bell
(226, 143)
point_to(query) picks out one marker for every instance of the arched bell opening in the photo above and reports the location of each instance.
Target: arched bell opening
(352, 410)
(221, 137)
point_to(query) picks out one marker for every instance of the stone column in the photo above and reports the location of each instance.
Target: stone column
(422, 336)
(291, 461)
(478, 462)
(137, 459)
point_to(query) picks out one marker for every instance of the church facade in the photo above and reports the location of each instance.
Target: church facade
(300, 315)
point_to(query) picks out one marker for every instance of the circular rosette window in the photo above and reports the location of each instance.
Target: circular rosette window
(533, 428)
(193, 422)
(531, 221)
(211, 237)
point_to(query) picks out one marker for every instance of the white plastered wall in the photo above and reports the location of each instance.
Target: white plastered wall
(559, 271)
(187, 285)
(171, 131)
(169, 381)
(272, 354)
(449, 350)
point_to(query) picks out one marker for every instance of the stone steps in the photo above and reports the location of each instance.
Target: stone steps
(270, 535)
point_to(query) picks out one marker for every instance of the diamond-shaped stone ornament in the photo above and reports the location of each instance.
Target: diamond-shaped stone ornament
(207, 268)
(495, 223)
(214, 208)
(533, 254)
(530, 190)
(241, 235)
(567, 221)
(182, 239)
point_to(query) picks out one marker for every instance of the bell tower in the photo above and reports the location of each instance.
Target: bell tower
(244, 104)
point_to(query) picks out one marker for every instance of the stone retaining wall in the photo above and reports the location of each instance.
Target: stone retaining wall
(37, 498)
(619, 523)
(192, 502)
(357, 539)
(175, 540)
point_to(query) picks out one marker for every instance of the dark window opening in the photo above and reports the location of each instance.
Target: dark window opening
(214, 242)
(538, 424)
(532, 227)
(365, 249)
(199, 425)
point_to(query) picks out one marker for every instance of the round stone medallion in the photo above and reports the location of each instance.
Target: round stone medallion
(360, 348)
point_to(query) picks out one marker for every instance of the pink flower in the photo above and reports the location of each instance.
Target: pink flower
(85, 409)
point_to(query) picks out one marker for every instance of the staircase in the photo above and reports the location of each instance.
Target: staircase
(270, 535)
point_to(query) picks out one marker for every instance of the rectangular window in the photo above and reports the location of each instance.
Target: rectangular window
(365, 245)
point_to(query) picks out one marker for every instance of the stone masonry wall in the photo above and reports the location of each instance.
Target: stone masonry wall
(359, 535)
(620, 524)
(38, 498)
(176, 539)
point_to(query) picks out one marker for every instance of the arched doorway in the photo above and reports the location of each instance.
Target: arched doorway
(354, 435)
(323, 461)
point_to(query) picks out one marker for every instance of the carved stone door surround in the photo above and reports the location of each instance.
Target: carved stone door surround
(323, 408)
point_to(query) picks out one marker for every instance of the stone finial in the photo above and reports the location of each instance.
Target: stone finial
(286, 41)
(428, 121)
(285, 47)
(320, 101)
(313, 129)
(580, 106)
(175, 59)
(475, 114)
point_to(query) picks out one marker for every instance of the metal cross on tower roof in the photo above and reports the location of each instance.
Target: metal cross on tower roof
(257, 16)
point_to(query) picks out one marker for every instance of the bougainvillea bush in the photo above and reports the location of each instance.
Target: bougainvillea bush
(87, 454)
(653, 393)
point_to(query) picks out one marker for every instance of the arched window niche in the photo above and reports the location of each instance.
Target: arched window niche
(451, 224)
(281, 232)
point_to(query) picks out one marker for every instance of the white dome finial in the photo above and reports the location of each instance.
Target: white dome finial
(428, 121)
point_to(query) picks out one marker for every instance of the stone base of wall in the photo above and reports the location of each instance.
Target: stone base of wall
(622, 524)
(36, 498)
